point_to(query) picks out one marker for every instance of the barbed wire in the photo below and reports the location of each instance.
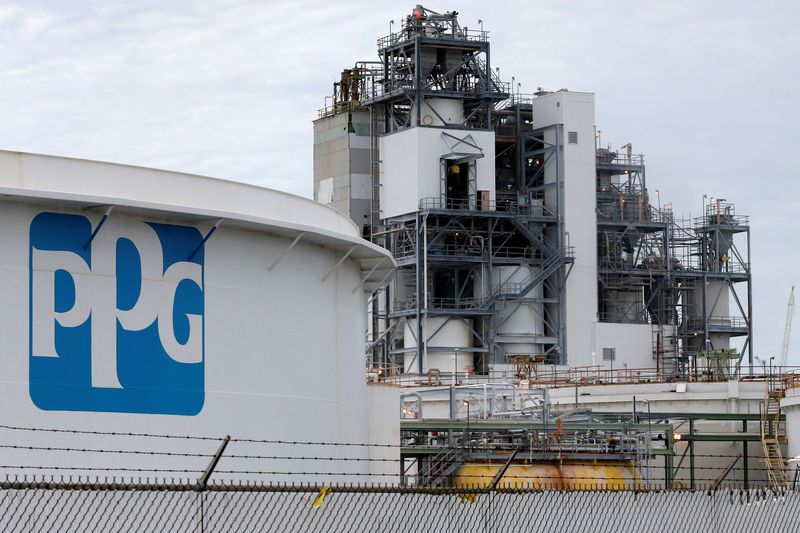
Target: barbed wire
(292, 457)
(102, 469)
(70, 482)
(465, 476)
(246, 440)
(197, 437)
(190, 454)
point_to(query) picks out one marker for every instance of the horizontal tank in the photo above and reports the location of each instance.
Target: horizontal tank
(587, 475)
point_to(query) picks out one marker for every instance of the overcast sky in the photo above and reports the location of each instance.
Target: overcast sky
(707, 90)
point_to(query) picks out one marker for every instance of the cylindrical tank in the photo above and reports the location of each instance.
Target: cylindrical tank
(717, 311)
(790, 406)
(143, 301)
(448, 335)
(521, 322)
(594, 475)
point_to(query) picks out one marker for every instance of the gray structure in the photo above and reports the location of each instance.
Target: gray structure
(342, 175)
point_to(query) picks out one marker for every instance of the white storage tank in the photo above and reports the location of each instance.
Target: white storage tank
(144, 301)
(521, 320)
(790, 406)
(449, 345)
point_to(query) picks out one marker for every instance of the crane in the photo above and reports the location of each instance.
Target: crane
(787, 332)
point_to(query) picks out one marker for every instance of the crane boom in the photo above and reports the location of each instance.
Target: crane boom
(787, 332)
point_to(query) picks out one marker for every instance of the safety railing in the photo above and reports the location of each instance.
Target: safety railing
(553, 376)
(338, 107)
(409, 32)
(503, 206)
(465, 251)
(718, 322)
(387, 373)
(442, 304)
(606, 157)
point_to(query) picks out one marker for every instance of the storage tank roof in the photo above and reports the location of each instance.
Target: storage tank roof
(70, 181)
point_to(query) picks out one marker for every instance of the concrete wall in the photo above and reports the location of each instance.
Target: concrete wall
(633, 344)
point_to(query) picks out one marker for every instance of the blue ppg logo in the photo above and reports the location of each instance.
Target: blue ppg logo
(116, 321)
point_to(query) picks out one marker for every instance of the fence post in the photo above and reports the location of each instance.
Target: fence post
(202, 483)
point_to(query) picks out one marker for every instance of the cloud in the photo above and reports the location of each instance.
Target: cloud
(709, 91)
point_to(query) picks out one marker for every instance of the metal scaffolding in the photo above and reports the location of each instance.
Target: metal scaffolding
(676, 275)
(468, 257)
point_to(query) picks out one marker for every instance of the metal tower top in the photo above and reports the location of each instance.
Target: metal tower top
(428, 24)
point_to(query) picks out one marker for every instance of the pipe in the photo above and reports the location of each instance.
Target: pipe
(418, 396)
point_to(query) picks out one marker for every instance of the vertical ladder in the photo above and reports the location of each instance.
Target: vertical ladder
(770, 437)
(375, 173)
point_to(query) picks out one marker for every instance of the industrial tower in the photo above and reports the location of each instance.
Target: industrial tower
(519, 240)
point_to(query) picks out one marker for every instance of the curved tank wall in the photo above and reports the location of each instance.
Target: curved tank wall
(153, 317)
(520, 322)
(445, 336)
(790, 406)
(442, 112)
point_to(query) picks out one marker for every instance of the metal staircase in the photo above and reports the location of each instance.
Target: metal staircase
(439, 469)
(771, 437)
(537, 239)
(494, 84)
(517, 291)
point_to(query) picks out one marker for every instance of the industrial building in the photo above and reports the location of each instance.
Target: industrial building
(531, 317)
(517, 236)
(541, 283)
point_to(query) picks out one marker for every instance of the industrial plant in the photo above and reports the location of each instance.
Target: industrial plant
(539, 277)
(485, 320)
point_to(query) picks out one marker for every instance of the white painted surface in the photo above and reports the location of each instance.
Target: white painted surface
(633, 344)
(436, 109)
(399, 173)
(35, 172)
(411, 162)
(283, 346)
(384, 429)
(790, 406)
(521, 321)
(575, 111)
(442, 333)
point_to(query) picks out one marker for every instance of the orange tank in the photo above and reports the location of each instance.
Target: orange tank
(574, 475)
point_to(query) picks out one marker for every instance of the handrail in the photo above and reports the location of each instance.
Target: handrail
(504, 206)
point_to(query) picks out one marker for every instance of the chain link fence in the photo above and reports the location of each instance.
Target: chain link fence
(67, 506)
